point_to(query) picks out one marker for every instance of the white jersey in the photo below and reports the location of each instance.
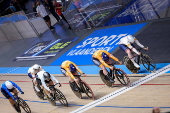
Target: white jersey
(41, 10)
(41, 77)
(32, 71)
(126, 42)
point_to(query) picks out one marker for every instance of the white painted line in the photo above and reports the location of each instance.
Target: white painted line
(122, 90)
(9, 71)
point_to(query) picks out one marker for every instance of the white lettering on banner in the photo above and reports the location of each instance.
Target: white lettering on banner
(88, 51)
(103, 41)
(97, 43)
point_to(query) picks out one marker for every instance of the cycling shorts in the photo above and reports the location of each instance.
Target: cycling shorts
(124, 47)
(96, 62)
(6, 94)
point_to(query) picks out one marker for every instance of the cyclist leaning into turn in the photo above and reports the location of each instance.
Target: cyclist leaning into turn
(46, 79)
(32, 71)
(126, 44)
(71, 70)
(101, 58)
(6, 88)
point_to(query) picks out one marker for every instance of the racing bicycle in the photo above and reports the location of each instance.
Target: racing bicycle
(20, 103)
(121, 76)
(56, 95)
(82, 87)
(143, 59)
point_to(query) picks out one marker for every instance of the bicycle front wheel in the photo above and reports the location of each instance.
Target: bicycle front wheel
(24, 105)
(148, 63)
(60, 97)
(87, 90)
(122, 77)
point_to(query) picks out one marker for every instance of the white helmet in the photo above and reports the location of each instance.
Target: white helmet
(36, 66)
(9, 85)
(131, 39)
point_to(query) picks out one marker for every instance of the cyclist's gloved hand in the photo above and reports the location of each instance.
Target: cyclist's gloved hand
(22, 92)
(59, 84)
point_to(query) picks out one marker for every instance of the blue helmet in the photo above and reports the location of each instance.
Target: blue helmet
(72, 68)
(105, 57)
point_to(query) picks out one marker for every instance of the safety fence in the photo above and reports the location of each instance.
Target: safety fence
(18, 25)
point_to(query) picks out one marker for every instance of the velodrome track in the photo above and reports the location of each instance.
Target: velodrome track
(154, 93)
(141, 99)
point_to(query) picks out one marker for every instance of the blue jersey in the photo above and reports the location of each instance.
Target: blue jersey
(3, 87)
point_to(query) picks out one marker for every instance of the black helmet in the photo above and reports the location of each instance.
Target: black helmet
(46, 75)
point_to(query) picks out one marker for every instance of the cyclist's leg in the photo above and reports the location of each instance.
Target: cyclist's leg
(35, 84)
(99, 64)
(132, 58)
(73, 84)
(12, 102)
(128, 51)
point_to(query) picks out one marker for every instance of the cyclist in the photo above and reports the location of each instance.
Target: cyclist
(71, 70)
(101, 58)
(46, 79)
(32, 71)
(126, 44)
(6, 88)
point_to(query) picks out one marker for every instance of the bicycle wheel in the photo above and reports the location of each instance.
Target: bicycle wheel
(60, 97)
(102, 76)
(24, 105)
(129, 64)
(87, 90)
(39, 94)
(148, 63)
(122, 77)
(51, 101)
(77, 93)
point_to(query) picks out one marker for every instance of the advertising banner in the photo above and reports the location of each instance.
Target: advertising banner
(44, 50)
(104, 39)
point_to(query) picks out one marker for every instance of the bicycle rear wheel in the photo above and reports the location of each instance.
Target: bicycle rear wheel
(24, 105)
(129, 64)
(87, 90)
(148, 63)
(60, 97)
(39, 94)
(77, 93)
(102, 76)
(122, 77)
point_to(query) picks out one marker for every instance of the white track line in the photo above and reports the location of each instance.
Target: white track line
(9, 71)
(123, 90)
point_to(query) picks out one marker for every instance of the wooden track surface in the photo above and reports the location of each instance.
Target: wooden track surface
(141, 99)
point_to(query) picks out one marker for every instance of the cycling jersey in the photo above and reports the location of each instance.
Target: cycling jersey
(65, 65)
(98, 55)
(41, 77)
(32, 73)
(6, 90)
(126, 42)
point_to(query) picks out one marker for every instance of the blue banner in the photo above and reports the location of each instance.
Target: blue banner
(104, 39)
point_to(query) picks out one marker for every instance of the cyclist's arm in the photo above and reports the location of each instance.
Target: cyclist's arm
(78, 69)
(70, 74)
(16, 86)
(44, 84)
(53, 78)
(138, 43)
(103, 62)
(132, 48)
(111, 56)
